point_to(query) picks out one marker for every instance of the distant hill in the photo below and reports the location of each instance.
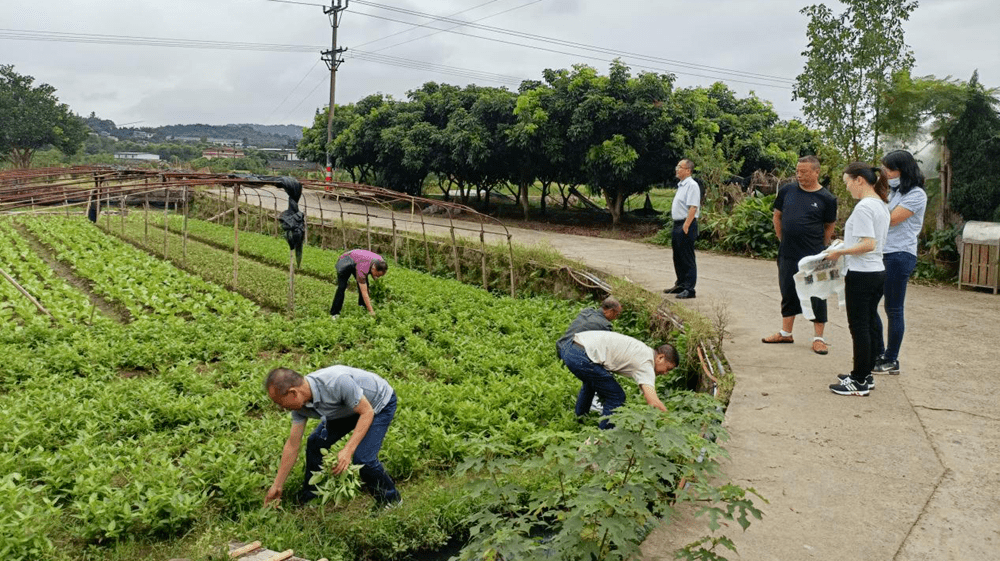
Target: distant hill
(294, 131)
(261, 136)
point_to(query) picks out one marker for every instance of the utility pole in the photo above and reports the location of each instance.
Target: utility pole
(332, 60)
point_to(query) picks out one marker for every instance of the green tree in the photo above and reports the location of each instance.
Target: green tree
(974, 142)
(850, 61)
(32, 118)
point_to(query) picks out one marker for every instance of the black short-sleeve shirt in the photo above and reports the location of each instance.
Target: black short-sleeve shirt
(803, 216)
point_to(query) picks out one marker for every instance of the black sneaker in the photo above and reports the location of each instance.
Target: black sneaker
(886, 367)
(850, 387)
(869, 381)
(686, 293)
(673, 289)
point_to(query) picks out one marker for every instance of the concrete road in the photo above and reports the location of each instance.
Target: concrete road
(911, 472)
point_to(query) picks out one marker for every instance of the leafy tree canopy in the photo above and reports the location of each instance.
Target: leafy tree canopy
(850, 61)
(31, 117)
(974, 141)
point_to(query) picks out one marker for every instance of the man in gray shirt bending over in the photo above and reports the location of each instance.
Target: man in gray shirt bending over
(591, 319)
(345, 399)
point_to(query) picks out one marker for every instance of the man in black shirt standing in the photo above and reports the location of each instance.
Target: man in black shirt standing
(804, 216)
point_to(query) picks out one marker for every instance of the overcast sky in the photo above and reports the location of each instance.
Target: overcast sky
(735, 41)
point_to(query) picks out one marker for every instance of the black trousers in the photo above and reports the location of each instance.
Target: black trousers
(863, 291)
(345, 270)
(683, 249)
(790, 303)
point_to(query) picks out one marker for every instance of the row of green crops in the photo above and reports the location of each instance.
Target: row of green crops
(154, 439)
(144, 285)
(66, 304)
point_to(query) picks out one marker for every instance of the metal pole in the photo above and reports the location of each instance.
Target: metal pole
(332, 60)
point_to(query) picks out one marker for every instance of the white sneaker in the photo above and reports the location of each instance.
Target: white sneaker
(596, 405)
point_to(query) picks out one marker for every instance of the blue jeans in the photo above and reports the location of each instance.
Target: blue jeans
(899, 266)
(374, 479)
(596, 380)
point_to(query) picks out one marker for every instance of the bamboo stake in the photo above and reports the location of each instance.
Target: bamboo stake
(510, 249)
(236, 235)
(25, 293)
(454, 250)
(244, 550)
(184, 242)
(482, 246)
(166, 220)
(291, 282)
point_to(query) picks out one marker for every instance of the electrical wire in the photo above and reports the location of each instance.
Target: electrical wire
(780, 82)
(457, 26)
(409, 30)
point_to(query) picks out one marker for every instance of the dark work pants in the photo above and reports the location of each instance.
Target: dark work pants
(345, 270)
(899, 266)
(682, 245)
(595, 379)
(863, 292)
(790, 303)
(374, 479)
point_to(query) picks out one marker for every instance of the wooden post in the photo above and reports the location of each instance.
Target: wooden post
(305, 220)
(482, 247)
(66, 200)
(25, 293)
(107, 212)
(145, 216)
(166, 220)
(343, 225)
(392, 214)
(322, 226)
(368, 224)
(236, 235)
(291, 282)
(427, 251)
(184, 242)
(510, 248)
(454, 250)
(96, 194)
(124, 196)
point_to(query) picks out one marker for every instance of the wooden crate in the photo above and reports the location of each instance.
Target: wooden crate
(980, 266)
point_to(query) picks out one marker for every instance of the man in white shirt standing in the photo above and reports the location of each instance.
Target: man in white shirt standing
(594, 355)
(685, 211)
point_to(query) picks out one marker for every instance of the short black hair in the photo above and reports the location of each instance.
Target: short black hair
(611, 303)
(282, 380)
(670, 352)
(380, 266)
(810, 160)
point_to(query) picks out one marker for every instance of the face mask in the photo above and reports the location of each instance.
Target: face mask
(894, 183)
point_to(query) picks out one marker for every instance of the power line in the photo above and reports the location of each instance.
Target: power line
(455, 27)
(578, 55)
(291, 91)
(780, 82)
(409, 30)
(584, 46)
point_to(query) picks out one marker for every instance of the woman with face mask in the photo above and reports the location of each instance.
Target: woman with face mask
(907, 203)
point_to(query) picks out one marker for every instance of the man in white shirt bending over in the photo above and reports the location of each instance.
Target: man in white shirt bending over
(594, 355)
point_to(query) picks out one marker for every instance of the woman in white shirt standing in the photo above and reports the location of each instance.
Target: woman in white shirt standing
(864, 242)
(907, 203)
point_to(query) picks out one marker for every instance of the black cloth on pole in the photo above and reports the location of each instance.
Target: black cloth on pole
(293, 222)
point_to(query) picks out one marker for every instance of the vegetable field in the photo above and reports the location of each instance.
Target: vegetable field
(135, 425)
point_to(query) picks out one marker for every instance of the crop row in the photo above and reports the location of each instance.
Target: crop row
(142, 284)
(65, 303)
(192, 438)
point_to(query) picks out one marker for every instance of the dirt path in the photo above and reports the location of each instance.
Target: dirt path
(911, 472)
